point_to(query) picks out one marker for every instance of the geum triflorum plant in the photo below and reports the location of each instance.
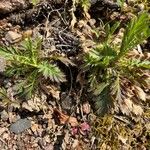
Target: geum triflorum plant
(112, 70)
(26, 63)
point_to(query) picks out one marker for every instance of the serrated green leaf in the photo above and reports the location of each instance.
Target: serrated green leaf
(103, 102)
(51, 71)
(34, 2)
(99, 88)
(136, 32)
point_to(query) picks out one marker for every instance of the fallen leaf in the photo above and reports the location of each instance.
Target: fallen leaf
(27, 34)
(122, 139)
(5, 136)
(75, 143)
(34, 127)
(137, 110)
(86, 108)
(140, 93)
(129, 107)
(54, 91)
(63, 119)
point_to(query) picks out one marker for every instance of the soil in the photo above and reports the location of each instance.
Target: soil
(61, 118)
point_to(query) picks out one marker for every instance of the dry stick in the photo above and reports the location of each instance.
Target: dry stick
(3, 141)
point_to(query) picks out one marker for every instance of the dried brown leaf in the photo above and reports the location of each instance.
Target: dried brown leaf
(34, 127)
(35, 104)
(128, 108)
(86, 108)
(54, 91)
(63, 119)
(140, 93)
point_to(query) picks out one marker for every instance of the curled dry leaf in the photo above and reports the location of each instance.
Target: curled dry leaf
(137, 110)
(63, 119)
(140, 93)
(34, 127)
(75, 143)
(129, 107)
(54, 91)
(86, 108)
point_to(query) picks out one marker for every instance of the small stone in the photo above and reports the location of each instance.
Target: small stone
(4, 115)
(20, 125)
(13, 37)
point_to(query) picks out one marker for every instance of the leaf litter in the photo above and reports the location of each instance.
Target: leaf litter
(62, 116)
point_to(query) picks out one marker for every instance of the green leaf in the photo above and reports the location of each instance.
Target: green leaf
(135, 63)
(27, 87)
(101, 56)
(100, 87)
(120, 2)
(31, 48)
(85, 5)
(34, 2)
(51, 71)
(110, 30)
(11, 54)
(136, 32)
(103, 102)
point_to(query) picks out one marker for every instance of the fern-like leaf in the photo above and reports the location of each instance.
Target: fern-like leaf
(135, 63)
(136, 32)
(51, 71)
(85, 5)
(27, 87)
(103, 101)
(11, 54)
(101, 56)
(31, 48)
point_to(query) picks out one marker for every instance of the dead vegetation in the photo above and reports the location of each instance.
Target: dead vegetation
(75, 74)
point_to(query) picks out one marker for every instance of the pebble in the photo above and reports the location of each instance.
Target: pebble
(4, 115)
(13, 37)
(20, 125)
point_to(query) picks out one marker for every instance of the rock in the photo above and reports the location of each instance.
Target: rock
(7, 6)
(4, 115)
(20, 125)
(13, 37)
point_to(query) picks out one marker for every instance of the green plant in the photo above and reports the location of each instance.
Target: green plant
(34, 2)
(85, 4)
(120, 3)
(27, 64)
(111, 69)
